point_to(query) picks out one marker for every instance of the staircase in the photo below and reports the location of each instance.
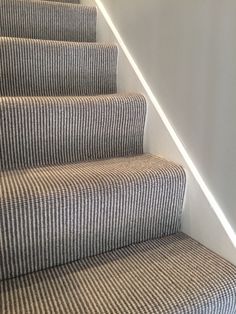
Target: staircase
(89, 223)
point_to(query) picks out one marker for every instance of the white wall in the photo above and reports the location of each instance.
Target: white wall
(186, 52)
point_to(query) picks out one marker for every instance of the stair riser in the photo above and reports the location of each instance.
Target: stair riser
(39, 131)
(71, 223)
(44, 68)
(45, 20)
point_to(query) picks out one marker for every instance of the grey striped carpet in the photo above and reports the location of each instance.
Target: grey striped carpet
(76, 186)
(65, 1)
(53, 215)
(173, 275)
(53, 68)
(47, 20)
(39, 131)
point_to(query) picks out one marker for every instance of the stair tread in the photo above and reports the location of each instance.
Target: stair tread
(174, 274)
(56, 68)
(47, 20)
(55, 43)
(82, 209)
(63, 1)
(69, 129)
(99, 173)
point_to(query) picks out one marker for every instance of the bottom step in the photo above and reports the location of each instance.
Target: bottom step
(174, 274)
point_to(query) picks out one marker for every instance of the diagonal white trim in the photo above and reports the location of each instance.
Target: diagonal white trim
(208, 194)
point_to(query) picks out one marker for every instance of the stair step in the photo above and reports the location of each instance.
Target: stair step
(32, 67)
(166, 276)
(65, 1)
(37, 131)
(56, 214)
(45, 20)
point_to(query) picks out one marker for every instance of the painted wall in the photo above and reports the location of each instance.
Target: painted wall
(186, 51)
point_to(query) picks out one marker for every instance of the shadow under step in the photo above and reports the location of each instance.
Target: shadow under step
(31, 67)
(45, 20)
(57, 214)
(171, 275)
(39, 131)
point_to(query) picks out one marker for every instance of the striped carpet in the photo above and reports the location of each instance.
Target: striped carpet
(55, 68)
(88, 222)
(65, 1)
(173, 275)
(52, 215)
(47, 20)
(38, 131)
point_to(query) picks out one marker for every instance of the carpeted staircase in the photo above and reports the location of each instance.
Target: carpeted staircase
(88, 222)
